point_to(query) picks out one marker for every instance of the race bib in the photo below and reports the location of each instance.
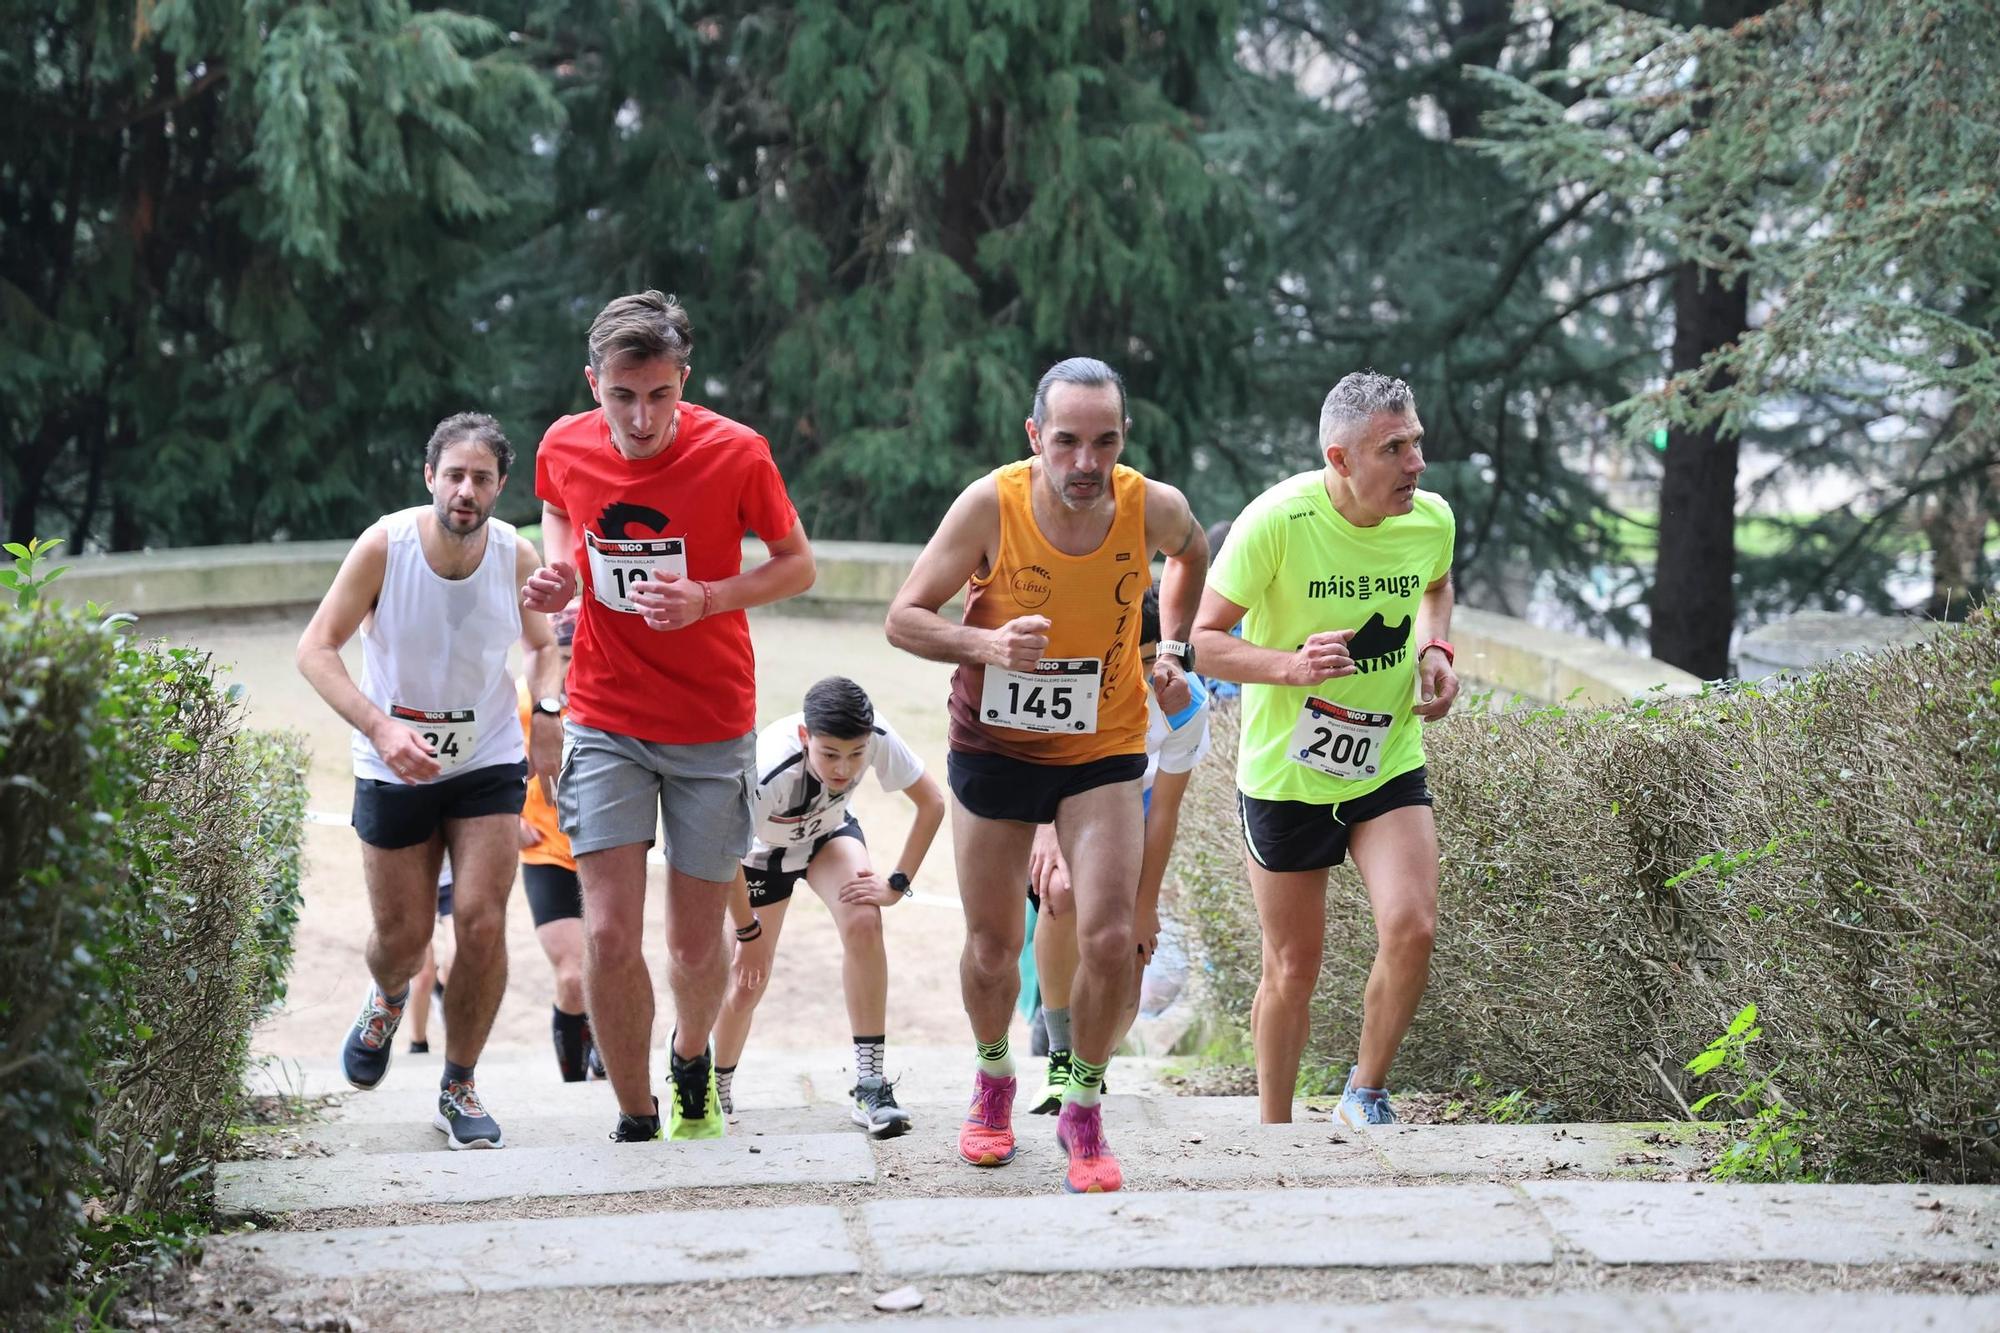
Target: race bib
(617, 566)
(1059, 695)
(1340, 742)
(450, 732)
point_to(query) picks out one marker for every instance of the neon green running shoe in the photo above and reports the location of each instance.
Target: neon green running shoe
(1050, 1099)
(695, 1112)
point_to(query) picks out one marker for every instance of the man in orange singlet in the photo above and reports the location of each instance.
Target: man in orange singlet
(1048, 722)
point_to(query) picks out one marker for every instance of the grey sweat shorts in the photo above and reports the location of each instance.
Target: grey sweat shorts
(616, 790)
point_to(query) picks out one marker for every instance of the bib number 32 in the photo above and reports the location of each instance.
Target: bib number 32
(451, 733)
(1058, 697)
(1340, 742)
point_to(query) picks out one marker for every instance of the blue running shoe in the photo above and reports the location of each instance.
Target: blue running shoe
(1362, 1107)
(364, 1058)
(463, 1118)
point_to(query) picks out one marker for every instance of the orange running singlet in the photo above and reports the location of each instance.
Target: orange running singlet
(1086, 700)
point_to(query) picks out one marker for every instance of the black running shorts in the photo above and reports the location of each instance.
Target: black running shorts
(1301, 835)
(993, 786)
(393, 815)
(774, 886)
(554, 893)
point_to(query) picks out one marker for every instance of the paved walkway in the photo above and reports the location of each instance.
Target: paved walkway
(797, 1219)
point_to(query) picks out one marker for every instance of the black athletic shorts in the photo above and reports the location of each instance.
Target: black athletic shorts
(392, 815)
(774, 886)
(1301, 835)
(554, 893)
(993, 786)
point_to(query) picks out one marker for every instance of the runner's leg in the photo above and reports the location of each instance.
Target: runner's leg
(1103, 839)
(1397, 855)
(1291, 916)
(402, 900)
(864, 963)
(992, 859)
(697, 963)
(616, 985)
(484, 852)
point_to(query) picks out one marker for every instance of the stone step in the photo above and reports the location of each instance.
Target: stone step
(1367, 1226)
(565, 1171)
(1569, 1312)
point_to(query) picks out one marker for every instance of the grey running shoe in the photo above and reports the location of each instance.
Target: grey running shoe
(364, 1057)
(875, 1108)
(1362, 1107)
(463, 1118)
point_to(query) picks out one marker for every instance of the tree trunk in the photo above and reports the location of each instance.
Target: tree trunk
(1694, 585)
(1694, 592)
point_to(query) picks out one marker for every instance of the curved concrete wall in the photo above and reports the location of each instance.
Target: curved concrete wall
(1494, 651)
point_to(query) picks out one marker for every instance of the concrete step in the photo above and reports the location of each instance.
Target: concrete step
(565, 1171)
(1570, 1312)
(1460, 1224)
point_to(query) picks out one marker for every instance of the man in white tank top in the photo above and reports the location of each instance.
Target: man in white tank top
(439, 759)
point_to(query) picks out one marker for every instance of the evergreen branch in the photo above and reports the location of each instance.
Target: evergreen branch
(1512, 358)
(1511, 272)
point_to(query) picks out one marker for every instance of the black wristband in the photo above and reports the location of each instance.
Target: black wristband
(900, 883)
(744, 934)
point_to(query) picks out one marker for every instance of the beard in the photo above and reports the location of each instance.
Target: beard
(456, 523)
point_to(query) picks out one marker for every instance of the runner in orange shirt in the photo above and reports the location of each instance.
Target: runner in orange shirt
(1048, 722)
(548, 873)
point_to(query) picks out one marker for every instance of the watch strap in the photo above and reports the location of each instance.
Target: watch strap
(1443, 647)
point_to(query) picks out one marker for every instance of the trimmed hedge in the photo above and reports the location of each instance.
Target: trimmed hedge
(1618, 884)
(150, 851)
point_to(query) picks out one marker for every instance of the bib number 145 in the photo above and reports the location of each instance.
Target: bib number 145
(1058, 696)
(1340, 742)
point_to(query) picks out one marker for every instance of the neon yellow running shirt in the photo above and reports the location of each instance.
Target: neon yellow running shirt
(1299, 568)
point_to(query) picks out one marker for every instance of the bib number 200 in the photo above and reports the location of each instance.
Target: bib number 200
(1340, 742)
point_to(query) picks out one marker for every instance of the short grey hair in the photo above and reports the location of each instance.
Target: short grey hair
(1357, 398)
(1085, 370)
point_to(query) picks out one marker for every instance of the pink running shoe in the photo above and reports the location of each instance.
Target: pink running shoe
(987, 1136)
(1093, 1169)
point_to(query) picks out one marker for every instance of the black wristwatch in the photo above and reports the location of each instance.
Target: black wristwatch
(900, 883)
(1175, 648)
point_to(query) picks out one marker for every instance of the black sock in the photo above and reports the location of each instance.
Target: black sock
(454, 1074)
(570, 1032)
(695, 1067)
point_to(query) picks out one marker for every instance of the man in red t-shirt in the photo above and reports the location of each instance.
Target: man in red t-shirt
(645, 503)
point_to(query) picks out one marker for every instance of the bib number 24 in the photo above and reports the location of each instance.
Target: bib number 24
(449, 732)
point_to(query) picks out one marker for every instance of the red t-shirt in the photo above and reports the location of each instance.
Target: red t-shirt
(685, 510)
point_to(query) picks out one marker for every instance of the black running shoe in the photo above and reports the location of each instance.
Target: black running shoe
(638, 1128)
(419, 1047)
(593, 1061)
(875, 1108)
(364, 1058)
(463, 1118)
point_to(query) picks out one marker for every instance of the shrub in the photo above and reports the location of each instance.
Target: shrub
(1618, 884)
(150, 848)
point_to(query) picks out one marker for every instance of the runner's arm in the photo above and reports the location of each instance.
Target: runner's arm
(929, 800)
(960, 548)
(1437, 680)
(543, 667)
(1226, 657)
(1171, 530)
(789, 571)
(551, 586)
(346, 604)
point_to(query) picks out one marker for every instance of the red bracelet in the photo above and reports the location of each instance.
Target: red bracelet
(1442, 647)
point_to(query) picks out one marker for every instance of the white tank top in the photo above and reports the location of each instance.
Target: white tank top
(434, 653)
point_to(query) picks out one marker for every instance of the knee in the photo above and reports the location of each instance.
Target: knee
(609, 942)
(694, 950)
(1103, 948)
(1409, 933)
(479, 931)
(569, 986)
(861, 932)
(1291, 973)
(991, 954)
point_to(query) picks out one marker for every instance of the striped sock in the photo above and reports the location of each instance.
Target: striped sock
(995, 1060)
(723, 1078)
(868, 1057)
(1086, 1081)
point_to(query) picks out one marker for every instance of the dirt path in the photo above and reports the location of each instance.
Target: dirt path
(803, 1006)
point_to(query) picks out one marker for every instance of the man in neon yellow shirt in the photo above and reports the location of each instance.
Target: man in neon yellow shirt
(1342, 579)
